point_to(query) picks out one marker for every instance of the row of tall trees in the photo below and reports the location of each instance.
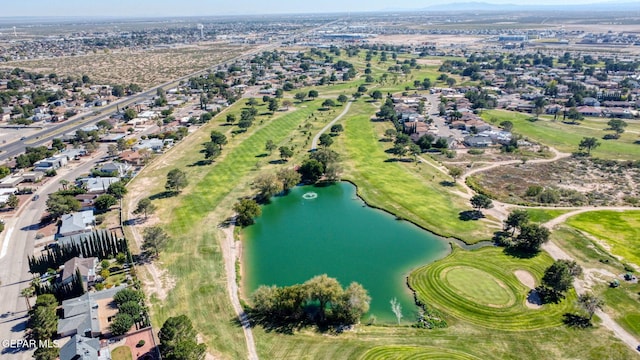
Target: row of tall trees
(101, 244)
(321, 300)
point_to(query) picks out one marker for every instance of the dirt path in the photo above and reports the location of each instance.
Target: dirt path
(231, 252)
(500, 211)
(583, 286)
(314, 143)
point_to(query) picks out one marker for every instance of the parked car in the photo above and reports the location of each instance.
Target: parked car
(35, 197)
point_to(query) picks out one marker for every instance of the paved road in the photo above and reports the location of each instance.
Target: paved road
(17, 244)
(314, 143)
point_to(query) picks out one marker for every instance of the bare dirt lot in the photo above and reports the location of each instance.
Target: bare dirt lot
(567, 182)
(145, 68)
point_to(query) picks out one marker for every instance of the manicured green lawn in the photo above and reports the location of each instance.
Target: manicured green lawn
(391, 185)
(433, 286)
(478, 286)
(565, 137)
(620, 230)
(541, 216)
(623, 303)
(121, 353)
(414, 352)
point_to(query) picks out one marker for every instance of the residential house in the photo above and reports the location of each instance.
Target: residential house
(132, 157)
(10, 182)
(76, 223)
(32, 176)
(589, 111)
(81, 348)
(87, 268)
(115, 169)
(90, 314)
(616, 112)
(478, 141)
(97, 185)
(87, 201)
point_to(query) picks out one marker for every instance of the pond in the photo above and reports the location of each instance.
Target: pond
(330, 230)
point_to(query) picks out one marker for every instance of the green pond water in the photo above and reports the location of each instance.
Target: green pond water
(301, 235)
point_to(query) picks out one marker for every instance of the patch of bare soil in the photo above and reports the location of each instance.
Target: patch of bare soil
(533, 299)
(566, 182)
(143, 67)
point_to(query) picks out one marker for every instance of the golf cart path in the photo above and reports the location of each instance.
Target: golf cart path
(314, 143)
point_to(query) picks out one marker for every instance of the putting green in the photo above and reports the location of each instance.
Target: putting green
(415, 352)
(478, 286)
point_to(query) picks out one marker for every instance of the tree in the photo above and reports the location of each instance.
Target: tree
(617, 125)
(231, 118)
(146, 207)
(211, 150)
(342, 98)
(218, 138)
(289, 178)
(389, 134)
(313, 94)
(112, 150)
(399, 149)
(376, 94)
(58, 144)
(588, 144)
(273, 105)
(133, 309)
(324, 290)
(270, 146)
(326, 140)
(154, 238)
(285, 153)
(252, 102)
(104, 202)
(178, 340)
(558, 277)
(287, 104)
(245, 123)
(117, 189)
(352, 304)
(328, 103)
(300, 96)
(176, 180)
(325, 156)
(396, 308)
(455, 173)
(516, 220)
(539, 104)
(531, 237)
(590, 303)
(12, 201)
(506, 125)
(480, 201)
(117, 91)
(121, 324)
(247, 210)
(58, 205)
(268, 185)
(126, 295)
(311, 170)
(337, 128)
(130, 114)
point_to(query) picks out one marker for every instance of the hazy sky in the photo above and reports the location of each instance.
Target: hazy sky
(218, 7)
